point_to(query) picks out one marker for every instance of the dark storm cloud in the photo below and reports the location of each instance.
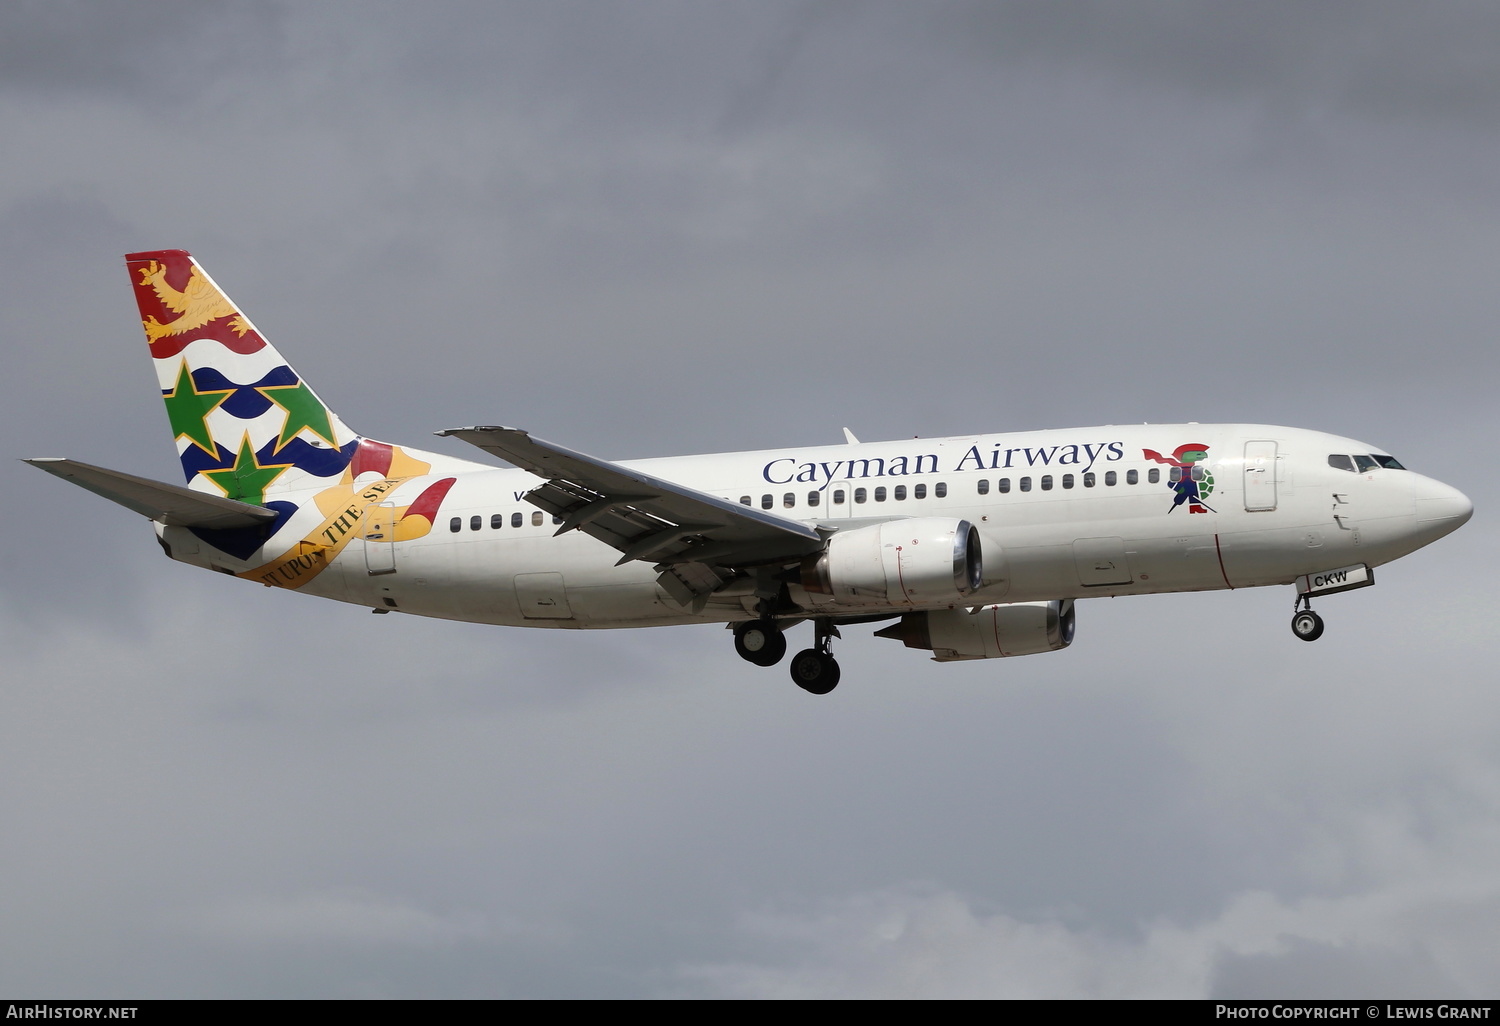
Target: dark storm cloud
(81, 47)
(1384, 59)
(1308, 970)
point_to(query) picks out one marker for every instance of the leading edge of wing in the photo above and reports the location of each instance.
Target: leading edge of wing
(172, 505)
(643, 516)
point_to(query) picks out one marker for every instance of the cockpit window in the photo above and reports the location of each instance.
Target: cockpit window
(1360, 463)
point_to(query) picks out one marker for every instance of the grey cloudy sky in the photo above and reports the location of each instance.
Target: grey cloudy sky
(660, 227)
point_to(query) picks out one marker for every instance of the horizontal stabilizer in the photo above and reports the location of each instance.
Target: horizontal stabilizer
(172, 505)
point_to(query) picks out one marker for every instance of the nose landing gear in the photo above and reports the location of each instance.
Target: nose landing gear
(1306, 624)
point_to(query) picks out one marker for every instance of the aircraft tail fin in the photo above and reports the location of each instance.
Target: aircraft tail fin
(246, 424)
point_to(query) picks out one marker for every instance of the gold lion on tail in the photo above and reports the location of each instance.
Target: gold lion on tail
(198, 304)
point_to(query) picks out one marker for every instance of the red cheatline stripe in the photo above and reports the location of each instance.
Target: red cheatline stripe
(1222, 572)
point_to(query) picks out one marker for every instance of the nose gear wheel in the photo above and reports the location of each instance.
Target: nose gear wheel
(1306, 624)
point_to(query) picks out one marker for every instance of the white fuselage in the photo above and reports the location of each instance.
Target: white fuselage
(1061, 514)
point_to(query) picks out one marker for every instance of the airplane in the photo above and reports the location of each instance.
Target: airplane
(976, 546)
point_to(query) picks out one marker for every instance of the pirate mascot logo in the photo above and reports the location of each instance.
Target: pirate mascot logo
(1190, 482)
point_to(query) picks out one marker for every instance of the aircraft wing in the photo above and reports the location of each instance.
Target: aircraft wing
(172, 505)
(642, 516)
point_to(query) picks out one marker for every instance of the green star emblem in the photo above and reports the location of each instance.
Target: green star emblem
(247, 480)
(303, 410)
(188, 410)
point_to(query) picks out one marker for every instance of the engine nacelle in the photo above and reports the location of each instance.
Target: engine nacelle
(920, 561)
(1012, 629)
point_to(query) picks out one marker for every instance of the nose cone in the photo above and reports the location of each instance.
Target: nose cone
(1441, 509)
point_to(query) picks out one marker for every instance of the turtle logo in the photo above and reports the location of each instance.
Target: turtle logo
(1190, 482)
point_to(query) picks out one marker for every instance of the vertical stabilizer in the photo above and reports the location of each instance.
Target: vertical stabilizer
(249, 429)
(245, 423)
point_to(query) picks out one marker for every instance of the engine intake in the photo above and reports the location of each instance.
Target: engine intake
(991, 632)
(919, 561)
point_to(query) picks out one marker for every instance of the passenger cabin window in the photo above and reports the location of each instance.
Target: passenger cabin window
(838, 496)
(1132, 477)
(919, 492)
(940, 490)
(744, 500)
(1025, 484)
(497, 521)
(789, 500)
(536, 519)
(814, 498)
(1004, 485)
(859, 495)
(984, 486)
(1067, 480)
(1110, 479)
(1088, 480)
(475, 523)
(880, 494)
(1046, 482)
(456, 524)
(767, 501)
(1154, 475)
(900, 493)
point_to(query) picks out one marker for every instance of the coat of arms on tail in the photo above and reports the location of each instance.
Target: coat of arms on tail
(250, 429)
(246, 425)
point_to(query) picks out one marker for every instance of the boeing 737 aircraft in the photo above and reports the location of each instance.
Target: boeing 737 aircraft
(976, 546)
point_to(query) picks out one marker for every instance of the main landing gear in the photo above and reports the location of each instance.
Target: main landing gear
(813, 669)
(760, 642)
(1306, 624)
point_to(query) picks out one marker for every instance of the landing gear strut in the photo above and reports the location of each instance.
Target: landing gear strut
(760, 642)
(814, 669)
(1306, 624)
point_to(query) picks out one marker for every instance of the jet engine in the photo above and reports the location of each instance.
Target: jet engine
(920, 561)
(990, 632)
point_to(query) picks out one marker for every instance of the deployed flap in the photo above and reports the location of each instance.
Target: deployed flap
(644, 517)
(172, 505)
